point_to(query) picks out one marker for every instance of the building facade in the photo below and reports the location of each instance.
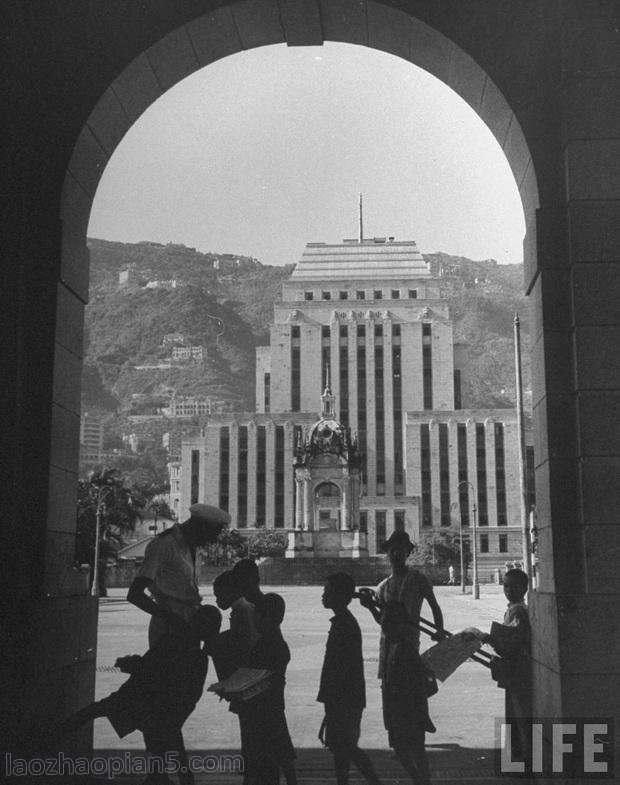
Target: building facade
(368, 317)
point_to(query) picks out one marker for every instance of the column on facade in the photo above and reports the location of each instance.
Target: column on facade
(344, 505)
(334, 360)
(211, 467)
(371, 426)
(472, 469)
(270, 466)
(411, 366)
(289, 512)
(252, 473)
(412, 446)
(453, 460)
(352, 347)
(435, 473)
(299, 502)
(489, 443)
(308, 522)
(233, 494)
(388, 395)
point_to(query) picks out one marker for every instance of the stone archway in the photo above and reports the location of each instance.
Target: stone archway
(542, 75)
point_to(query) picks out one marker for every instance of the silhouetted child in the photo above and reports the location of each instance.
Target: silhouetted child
(405, 690)
(246, 571)
(265, 740)
(343, 689)
(232, 647)
(162, 690)
(511, 640)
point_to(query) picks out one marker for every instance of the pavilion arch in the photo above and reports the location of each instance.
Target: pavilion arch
(543, 76)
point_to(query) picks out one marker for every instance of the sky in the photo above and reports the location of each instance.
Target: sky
(266, 150)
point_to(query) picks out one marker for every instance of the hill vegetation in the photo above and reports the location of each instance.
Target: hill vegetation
(224, 304)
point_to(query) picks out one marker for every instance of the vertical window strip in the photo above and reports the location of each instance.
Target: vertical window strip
(397, 403)
(279, 478)
(224, 466)
(463, 478)
(444, 475)
(500, 475)
(481, 467)
(195, 476)
(242, 477)
(261, 477)
(425, 468)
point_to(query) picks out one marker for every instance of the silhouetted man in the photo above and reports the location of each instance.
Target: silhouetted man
(168, 579)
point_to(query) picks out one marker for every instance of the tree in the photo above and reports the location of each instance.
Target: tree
(442, 549)
(229, 547)
(105, 505)
(159, 508)
(266, 542)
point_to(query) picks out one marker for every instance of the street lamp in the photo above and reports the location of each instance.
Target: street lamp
(454, 506)
(99, 510)
(474, 545)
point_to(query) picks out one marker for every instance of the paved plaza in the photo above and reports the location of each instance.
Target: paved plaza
(463, 711)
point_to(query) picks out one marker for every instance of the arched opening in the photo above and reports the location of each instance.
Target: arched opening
(548, 64)
(327, 504)
(162, 65)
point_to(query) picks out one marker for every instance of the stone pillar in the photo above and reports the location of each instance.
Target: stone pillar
(299, 502)
(308, 522)
(435, 474)
(453, 458)
(345, 506)
(388, 420)
(289, 512)
(371, 430)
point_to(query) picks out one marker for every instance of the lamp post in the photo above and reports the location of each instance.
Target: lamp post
(94, 588)
(474, 545)
(454, 506)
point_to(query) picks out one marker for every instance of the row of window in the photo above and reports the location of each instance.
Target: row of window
(360, 294)
(242, 475)
(482, 506)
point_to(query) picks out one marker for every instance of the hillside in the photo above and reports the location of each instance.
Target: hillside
(224, 304)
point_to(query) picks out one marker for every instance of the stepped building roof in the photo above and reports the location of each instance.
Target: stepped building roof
(379, 257)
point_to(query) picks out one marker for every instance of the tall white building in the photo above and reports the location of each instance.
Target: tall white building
(368, 316)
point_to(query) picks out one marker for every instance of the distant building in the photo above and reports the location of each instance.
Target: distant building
(128, 278)
(188, 353)
(91, 438)
(188, 406)
(394, 446)
(174, 473)
(172, 338)
(172, 284)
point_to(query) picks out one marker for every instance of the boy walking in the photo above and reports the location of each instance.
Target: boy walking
(342, 689)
